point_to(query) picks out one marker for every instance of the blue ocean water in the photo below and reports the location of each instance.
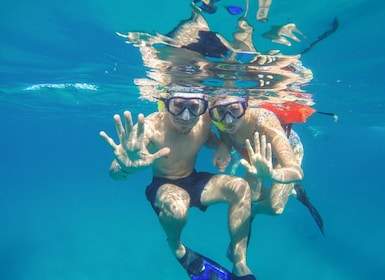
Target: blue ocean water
(63, 74)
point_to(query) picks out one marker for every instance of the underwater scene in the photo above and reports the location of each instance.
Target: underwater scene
(67, 68)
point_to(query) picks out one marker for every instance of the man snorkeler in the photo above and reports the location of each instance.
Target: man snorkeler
(169, 142)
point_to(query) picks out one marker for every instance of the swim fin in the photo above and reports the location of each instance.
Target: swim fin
(213, 271)
(199, 267)
(304, 199)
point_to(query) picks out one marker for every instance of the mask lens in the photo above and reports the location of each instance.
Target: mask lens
(218, 113)
(234, 109)
(177, 105)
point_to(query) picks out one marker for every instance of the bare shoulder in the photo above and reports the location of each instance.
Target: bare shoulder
(155, 117)
(153, 126)
(266, 119)
(154, 120)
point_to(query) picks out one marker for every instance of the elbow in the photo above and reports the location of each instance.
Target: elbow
(297, 174)
(300, 174)
(288, 175)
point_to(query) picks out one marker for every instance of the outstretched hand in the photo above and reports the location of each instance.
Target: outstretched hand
(261, 164)
(131, 153)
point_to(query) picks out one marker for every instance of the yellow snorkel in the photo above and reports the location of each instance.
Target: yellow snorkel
(219, 125)
(161, 105)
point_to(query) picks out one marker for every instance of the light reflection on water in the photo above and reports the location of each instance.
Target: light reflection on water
(191, 58)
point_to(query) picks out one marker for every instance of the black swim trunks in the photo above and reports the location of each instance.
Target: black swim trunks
(192, 184)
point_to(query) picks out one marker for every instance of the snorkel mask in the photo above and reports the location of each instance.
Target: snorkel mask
(225, 109)
(184, 105)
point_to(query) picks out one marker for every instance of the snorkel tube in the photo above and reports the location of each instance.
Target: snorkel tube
(219, 125)
(161, 105)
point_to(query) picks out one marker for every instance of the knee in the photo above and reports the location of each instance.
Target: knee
(277, 209)
(240, 190)
(173, 207)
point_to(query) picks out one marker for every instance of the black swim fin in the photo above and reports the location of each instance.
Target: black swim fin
(304, 199)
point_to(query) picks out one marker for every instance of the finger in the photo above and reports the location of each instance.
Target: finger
(161, 153)
(263, 146)
(140, 128)
(128, 122)
(246, 164)
(249, 149)
(108, 140)
(221, 164)
(214, 161)
(221, 167)
(257, 145)
(119, 128)
(269, 153)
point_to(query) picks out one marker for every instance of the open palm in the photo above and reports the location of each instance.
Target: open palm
(132, 153)
(260, 157)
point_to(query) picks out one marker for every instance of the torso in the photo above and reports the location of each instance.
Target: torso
(262, 121)
(184, 148)
(256, 120)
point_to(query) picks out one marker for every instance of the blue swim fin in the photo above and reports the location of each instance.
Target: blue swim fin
(213, 271)
(199, 267)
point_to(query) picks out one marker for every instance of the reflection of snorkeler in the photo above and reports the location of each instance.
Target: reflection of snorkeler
(263, 9)
(281, 33)
(192, 55)
(209, 6)
(194, 34)
(334, 27)
(208, 43)
(278, 34)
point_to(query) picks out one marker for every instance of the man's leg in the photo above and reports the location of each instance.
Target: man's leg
(173, 203)
(236, 192)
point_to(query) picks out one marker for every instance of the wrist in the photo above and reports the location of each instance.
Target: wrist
(279, 176)
(117, 169)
